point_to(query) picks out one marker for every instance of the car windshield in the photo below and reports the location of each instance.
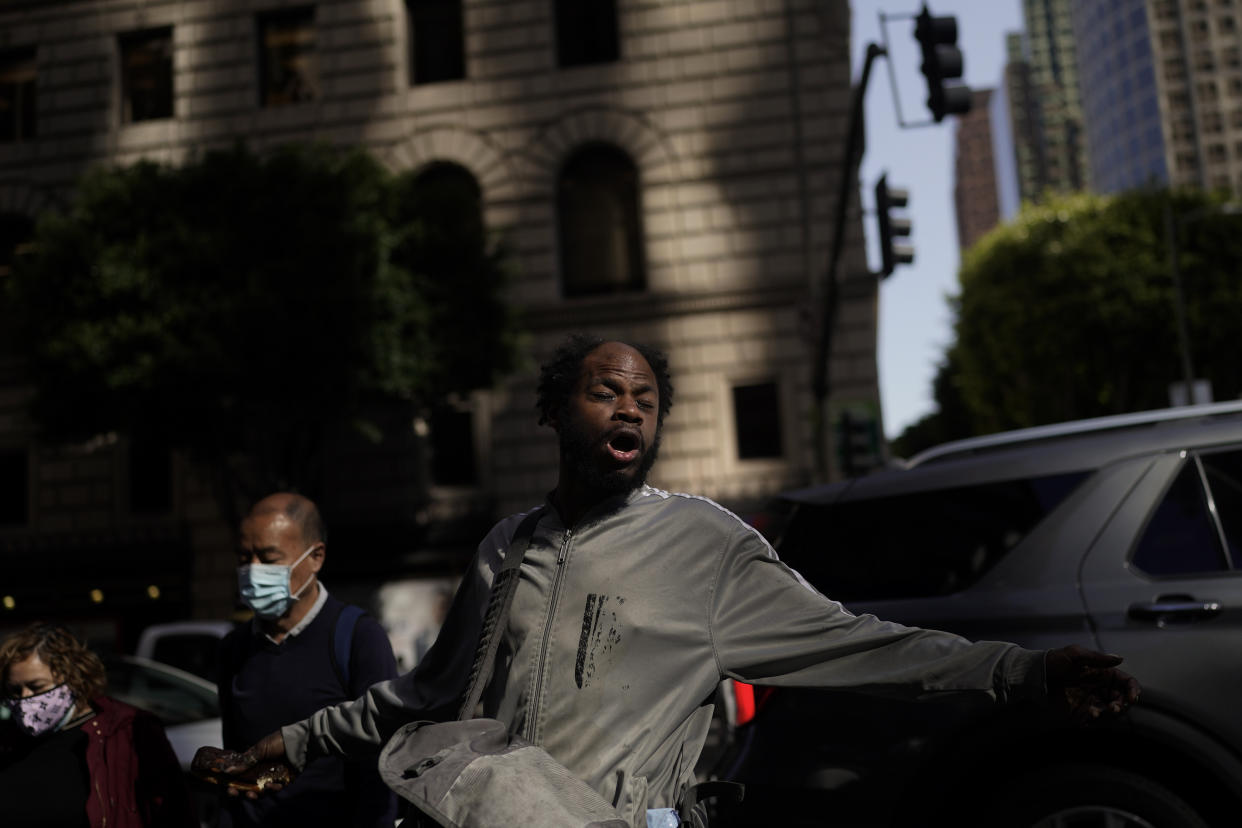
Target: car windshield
(173, 698)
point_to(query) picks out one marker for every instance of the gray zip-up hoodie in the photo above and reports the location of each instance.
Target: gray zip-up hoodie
(621, 628)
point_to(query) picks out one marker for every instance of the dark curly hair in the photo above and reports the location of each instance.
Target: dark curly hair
(559, 375)
(64, 655)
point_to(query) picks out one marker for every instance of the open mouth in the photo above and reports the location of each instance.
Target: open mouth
(624, 446)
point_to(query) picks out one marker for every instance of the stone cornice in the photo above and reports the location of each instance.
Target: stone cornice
(635, 307)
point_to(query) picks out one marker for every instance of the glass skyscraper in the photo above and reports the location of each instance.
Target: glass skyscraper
(1121, 96)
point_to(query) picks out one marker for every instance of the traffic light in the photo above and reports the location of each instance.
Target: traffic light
(892, 227)
(942, 60)
(858, 443)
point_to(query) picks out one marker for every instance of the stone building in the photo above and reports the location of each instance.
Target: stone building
(663, 170)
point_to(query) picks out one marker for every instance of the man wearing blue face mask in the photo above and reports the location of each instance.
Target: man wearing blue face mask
(304, 649)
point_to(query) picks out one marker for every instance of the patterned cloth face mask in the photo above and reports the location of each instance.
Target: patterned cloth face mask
(43, 712)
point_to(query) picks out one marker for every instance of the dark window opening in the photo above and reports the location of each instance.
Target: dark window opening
(1180, 536)
(146, 75)
(437, 41)
(757, 417)
(18, 71)
(150, 477)
(586, 32)
(288, 73)
(16, 231)
(917, 545)
(600, 234)
(452, 447)
(14, 488)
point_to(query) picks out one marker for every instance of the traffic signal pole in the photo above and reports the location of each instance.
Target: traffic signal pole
(942, 61)
(831, 296)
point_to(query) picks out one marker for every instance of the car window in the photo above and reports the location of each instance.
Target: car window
(172, 699)
(1224, 476)
(917, 545)
(1180, 537)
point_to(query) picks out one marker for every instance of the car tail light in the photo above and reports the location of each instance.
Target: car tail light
(749, 700)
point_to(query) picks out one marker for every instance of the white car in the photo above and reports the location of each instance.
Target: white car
(193, 646)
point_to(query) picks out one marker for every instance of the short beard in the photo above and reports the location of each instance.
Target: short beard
(578, 449)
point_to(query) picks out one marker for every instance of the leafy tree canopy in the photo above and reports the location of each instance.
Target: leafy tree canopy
(246, 304)
(1068, 312)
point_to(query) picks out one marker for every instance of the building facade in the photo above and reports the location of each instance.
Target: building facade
(1052, 57)
(1126, 134)
(1014, 114)
(975, 192)
(1039, 144)
(662, 171)
(1162, 85)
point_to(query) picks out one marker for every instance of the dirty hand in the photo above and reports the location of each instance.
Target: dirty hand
(1084, 684)
(260, 767)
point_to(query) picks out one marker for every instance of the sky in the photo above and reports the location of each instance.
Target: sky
(915, 325)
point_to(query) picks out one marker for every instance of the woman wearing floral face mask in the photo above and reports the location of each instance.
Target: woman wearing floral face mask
(70, 756)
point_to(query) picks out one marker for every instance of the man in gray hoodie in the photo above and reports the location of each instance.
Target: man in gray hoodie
(633, 603)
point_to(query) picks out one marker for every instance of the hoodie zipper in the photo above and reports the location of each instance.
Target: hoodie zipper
(532, 724)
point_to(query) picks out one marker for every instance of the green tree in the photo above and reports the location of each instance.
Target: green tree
(950, 421)
(246, 307)
(1067, 312)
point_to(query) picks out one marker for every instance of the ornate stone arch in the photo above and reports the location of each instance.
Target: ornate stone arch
(469, 149)
(635, 135)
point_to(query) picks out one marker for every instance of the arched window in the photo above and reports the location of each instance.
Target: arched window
(597, 210)
(447, 199)
(450, 249)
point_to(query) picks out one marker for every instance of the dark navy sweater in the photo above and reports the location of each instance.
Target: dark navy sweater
(264, 686)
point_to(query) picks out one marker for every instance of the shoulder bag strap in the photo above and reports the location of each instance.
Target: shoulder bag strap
(340, 652)
(498, 603)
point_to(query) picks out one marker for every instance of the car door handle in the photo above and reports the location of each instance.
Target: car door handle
(1174, 609)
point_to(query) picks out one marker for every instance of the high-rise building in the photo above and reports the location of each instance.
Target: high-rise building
(1162, 92)
(1050, 53)
(975, 195)
(1036, 112)
(1014, 116)
(714, 130)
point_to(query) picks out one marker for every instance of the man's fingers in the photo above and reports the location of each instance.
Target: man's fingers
(1083, 658)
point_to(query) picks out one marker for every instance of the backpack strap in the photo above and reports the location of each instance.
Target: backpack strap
(342, 644)
(498, 603)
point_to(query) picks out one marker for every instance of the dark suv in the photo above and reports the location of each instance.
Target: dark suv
(1121, 534)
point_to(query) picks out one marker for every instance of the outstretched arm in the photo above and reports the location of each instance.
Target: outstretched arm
(431, 691)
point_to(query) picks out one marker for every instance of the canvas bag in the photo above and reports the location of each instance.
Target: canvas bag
(471, 773)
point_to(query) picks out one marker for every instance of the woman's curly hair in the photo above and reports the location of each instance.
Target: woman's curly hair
(68, 659)
(559, 375)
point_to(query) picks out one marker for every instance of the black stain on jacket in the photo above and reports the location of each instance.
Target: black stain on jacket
(593, 641)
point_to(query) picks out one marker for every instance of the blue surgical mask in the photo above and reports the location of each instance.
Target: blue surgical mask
(265, 587)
